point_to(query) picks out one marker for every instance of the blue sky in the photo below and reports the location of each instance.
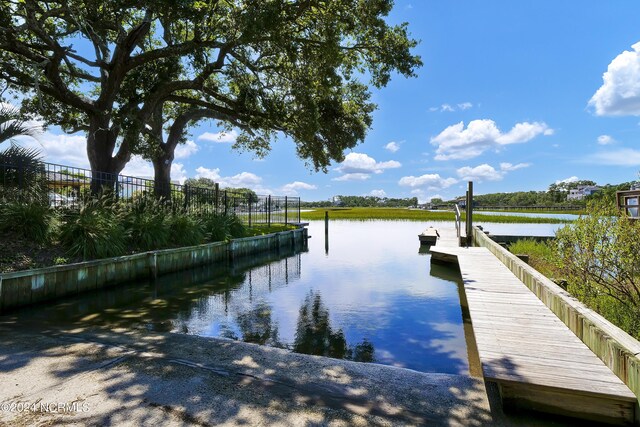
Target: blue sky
(514, 95)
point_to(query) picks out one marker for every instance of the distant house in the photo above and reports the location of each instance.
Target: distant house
(582, 191)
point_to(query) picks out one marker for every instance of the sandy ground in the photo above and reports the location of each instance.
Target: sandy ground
(129, 378)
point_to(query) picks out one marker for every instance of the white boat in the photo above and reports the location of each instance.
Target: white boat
(429, 236)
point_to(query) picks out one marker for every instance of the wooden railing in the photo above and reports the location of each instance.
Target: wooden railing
(458, 219)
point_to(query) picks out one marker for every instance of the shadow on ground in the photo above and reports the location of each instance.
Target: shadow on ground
(127, 378)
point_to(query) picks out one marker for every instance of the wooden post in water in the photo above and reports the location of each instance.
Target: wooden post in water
(469, 212)
(326, 232)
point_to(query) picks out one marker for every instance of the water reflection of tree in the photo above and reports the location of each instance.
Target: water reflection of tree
(257, 326)
(314, 334)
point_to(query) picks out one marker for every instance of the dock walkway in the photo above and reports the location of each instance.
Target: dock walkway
(535, 359)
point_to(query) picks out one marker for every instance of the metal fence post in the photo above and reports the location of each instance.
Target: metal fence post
(269, 211)
(298, 209)
(249, 211)
(286, 209)
(225, 202)
(216, 194)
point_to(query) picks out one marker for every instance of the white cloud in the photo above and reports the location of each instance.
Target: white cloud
(359, 167)
(185, 150)
(63, 149)
(456, 142)
(178, 173)
(378, 193)
(508, 167)
(424, 197)
(141, 168)
(241, 180)
(353, 177)
(430, 181)
(362, 163)
(392, 146)
(212, 174)
(448, 108)
(619, 94)
(568, 180)
(605, 140)
(485, 172)
(292, 188)
(480, 173)
(219, 137)
(622, 157)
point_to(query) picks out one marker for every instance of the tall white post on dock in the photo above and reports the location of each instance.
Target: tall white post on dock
(469, 207)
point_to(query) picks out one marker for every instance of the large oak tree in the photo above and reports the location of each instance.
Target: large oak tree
(117, 69)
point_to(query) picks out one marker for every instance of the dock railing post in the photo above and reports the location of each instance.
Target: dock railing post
(469, 222)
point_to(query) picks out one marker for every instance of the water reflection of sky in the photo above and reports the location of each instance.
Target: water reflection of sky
(371, 287)
(371, 297)
(529, 214)
(520, 229)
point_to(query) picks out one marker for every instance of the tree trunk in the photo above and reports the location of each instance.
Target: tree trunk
(101, 141)
(162, 176)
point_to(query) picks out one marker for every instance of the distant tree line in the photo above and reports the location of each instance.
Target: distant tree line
(364, 202)
(556, 195)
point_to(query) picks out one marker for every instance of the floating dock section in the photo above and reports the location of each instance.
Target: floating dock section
(537, 362)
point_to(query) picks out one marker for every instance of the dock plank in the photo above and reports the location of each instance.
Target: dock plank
(527, 350)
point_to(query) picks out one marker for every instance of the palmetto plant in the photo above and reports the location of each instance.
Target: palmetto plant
(21, 169)
(93, 231)
(12, 124)
(22, 174)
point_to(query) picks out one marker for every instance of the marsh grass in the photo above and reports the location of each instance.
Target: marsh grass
(364, 214)
(262, 229)
(541, 255)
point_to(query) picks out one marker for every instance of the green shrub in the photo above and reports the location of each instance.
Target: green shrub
(216, 228)
(600, 258)
(236, 226)
(30, 220)
(93, 231)
(219, 227)
(22, 176)
(185, 230)
(146, 226)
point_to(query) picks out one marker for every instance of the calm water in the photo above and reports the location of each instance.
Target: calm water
(367, 295)
(520, 229)
(529, 214)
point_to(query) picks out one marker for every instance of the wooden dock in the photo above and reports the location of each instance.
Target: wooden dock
(535, 359)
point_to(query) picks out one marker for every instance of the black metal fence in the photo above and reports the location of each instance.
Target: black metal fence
(69, 187)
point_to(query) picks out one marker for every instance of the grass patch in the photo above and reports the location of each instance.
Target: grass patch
(541, 255)
(261, 230)
(364, 214)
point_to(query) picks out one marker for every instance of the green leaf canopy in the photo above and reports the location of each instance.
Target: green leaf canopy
(267, 67)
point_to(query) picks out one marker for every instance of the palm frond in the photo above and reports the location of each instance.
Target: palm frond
(12, 125)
